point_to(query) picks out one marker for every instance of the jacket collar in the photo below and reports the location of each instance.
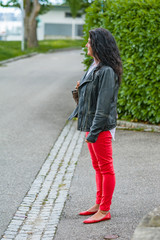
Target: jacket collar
(87, 78)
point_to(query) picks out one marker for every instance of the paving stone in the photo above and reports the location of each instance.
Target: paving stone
(149, 233)
(6, 238)
(21, 237)
(149, 227)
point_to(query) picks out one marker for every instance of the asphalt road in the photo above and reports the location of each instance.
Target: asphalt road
(35, 101)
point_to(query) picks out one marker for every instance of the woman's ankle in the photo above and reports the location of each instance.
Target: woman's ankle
(103, 212)
(94, 208)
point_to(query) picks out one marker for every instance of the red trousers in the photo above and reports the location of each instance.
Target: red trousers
(101, 155)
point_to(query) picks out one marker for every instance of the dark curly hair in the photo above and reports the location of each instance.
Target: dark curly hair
(105, 50)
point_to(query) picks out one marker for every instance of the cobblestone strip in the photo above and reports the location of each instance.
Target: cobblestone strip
(39, 213)
(64, 187)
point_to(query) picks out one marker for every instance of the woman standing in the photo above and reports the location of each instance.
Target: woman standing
(97, 115)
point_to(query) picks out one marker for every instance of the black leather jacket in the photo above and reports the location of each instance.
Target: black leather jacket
(97, 106)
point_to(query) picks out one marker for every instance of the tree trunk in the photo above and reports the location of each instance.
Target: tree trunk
(31, 12)
(32, 34)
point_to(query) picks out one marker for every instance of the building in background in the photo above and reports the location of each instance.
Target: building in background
(56, 23)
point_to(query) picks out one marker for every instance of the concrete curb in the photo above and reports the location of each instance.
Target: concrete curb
(18, 58)
(149, 227)
(35, 53)
(138, 126)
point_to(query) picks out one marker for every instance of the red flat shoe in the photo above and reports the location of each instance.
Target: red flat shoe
(107, 217)
(85, 213)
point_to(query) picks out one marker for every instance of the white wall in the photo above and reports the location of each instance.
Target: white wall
(57, 16)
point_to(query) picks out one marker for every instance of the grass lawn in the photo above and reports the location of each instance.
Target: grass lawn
(11, 49)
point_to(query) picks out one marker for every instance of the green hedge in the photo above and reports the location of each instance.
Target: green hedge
(135, 25)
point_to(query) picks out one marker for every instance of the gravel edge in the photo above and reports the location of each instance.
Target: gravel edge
(137, 126)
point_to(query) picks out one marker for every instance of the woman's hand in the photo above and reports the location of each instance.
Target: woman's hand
(87, 141)
(77, 86)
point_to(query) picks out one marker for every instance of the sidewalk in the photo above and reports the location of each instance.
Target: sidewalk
(136, 161)
(42, 214)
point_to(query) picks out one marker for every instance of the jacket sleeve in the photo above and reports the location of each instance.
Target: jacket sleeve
(74, 113)
(105, 95)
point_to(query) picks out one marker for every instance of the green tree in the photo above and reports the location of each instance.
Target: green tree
(31, 11)
(78, 5)
(74, 7)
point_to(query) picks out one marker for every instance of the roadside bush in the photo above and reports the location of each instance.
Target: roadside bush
(135, 26)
